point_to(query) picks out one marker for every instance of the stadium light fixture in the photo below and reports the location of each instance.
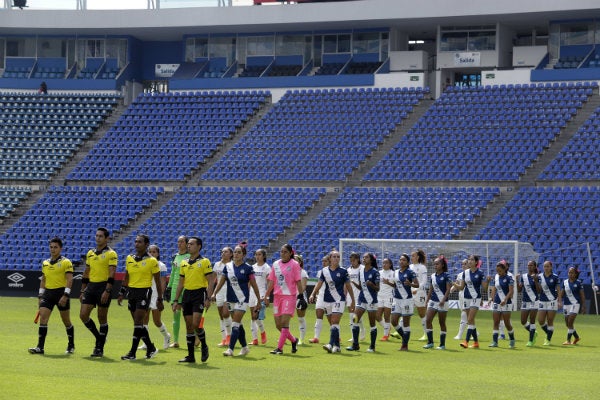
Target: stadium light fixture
(20, 3)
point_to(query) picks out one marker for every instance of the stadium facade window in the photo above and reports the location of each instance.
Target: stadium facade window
(2, 46)
(222, 47)
(260, 46)
(196, 48)
(365, 42)
(21, 47)
(289, 45)
(340, 43)
(50, 47)
(577, 34)
(481, 38)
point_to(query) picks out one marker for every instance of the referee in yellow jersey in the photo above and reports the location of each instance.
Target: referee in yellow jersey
(96, 287)
(140, 269)
(196, 277)
(55, 289)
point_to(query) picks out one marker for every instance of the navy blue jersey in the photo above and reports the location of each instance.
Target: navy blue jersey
(439, 285)
(473, 281)
(334, 282)
(572, 292)
(367, 294)
(238, 277)
(529, 291)
(401, 291)
(549, 287)
(502, 285)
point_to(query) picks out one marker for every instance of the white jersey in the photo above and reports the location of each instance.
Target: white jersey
(261, 274)
(218, 268)
(354, 276)
(304, 275)
(385, 289)
(421, 271)
(154, 297)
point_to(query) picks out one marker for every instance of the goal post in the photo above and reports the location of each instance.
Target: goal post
(516, 253)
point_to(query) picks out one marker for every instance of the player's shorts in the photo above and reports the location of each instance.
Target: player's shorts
(368, 306)
(139, 298)
(334, 307)
(529, 306)
(253, 300)
(153, 300)
(420, 298)
(356, 293)
(548, 305)
(472, 303)
(386, 301)
(284, 305)
(570, 309)
(461, 301)
(435, 305)
(236, 306)
(93, 294)
(221, 297)
(404, 307)
(496, 307)
(193, 301)
(320, 303)
(51, 297)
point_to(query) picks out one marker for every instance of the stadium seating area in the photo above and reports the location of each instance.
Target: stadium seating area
(316, 135)
(558, 221)
(40, 133)
(225, 216)
(10, 197)
(72, 213)
(165, 136)
(380, 213)
(482, 134)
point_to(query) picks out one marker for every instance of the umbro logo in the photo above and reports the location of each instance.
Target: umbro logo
(15, 279)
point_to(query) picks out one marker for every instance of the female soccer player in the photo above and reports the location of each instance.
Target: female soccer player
(335, 279)
(573, 297)
(418, 259)
(502, 292)
(221, 298)
(368, 285)
(385, 297)
(473, 280)
(55, 289)
(529, 302)
(320, 304)
(461, 302)
(239, 277)
(353, 273)
(437, 301)
(405, 279)
(285, 281)
(261, 272)
(301, 311)
(548, 285)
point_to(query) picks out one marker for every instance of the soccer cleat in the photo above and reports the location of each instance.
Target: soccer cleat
(276, 351)
(142, 347)
(151, 353)
(396, 335)
(457, 337)
(228, 353)
(263, 337)
(370, 350)
(404, 347)
(441, 348)
(70, 349)
(36, 350)
(223, 343)
(535, 335)
(244, 350)
(547, 342)
(313, 340)
(227, 339)
(529, 344)
(354, 347)
(295, 346)
(427, 346)
(187, 359)
(97, 352)
(567, 343)
(167, 341)
(421, 339)
(254, 342)
(327, 347)
(204, 352)
(128, 357)
(174, 345)
(493, 344)
(475, 345)
(511, 344)
(336, 349)
(576, 340)
(385, 338)
(300, 342)
(350, 340)
(464, 344)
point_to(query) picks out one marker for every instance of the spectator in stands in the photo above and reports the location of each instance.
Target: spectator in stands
(418, 259)
(261, 272)
(43, 88)
(337, 286)
(141, 269)
(547, 285)
(437, 301)
(367, 301)
(472, 281)
(55, 290)
(529, 302)
(405, 279)
(285, 282)
(461, 301)
(239, 277)
(353, 274)
(154, 251)
(302, 310)
(503, 287)
(320, 304)
(385, 297)
(182, 254)
(573, 298)
(221, 297)
(197, 278)
(96, 286)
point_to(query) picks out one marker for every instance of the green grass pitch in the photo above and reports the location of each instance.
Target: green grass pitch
(556, 372)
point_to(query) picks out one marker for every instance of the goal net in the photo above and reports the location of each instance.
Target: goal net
(517, 254)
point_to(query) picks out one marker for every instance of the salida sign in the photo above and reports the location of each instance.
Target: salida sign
(467, 59)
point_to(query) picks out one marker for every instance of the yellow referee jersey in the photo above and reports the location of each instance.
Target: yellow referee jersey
(141, 271)
(55, 272)
(195, 272)
(100, 263)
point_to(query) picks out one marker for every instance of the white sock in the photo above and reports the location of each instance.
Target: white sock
(302, 327)
(386, 329)
(424, 324)
(318, 327)
(163, 330)
(261, 325)
(227, 325)
(223, 334)
(254, 329)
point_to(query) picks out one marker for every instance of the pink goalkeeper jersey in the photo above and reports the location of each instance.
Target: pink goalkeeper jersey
(285, 276)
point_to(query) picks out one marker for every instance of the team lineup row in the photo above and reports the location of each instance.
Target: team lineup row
(388, 296)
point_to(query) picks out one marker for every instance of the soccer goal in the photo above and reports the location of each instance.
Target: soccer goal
(517, 254)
